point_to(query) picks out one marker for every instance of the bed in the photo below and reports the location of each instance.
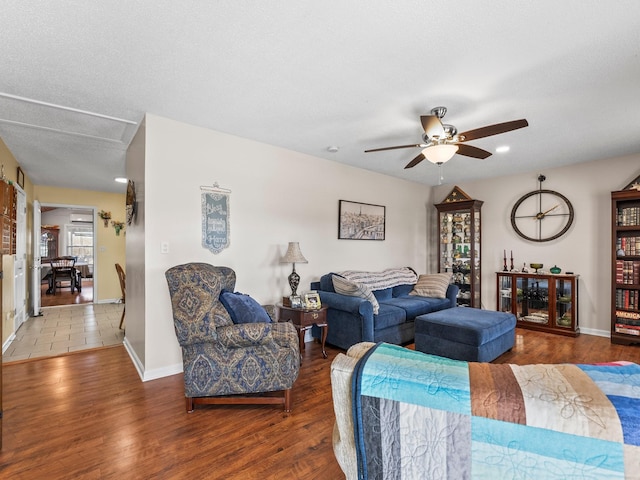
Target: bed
(402, 414)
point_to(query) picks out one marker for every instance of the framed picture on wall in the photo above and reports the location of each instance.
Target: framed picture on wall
(20, 178)
(360, 221)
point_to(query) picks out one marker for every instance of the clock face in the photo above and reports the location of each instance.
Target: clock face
(542, 215)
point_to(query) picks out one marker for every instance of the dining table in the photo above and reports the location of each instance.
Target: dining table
(84, 269)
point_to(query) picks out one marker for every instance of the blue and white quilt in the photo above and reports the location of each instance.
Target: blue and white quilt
(419, 416)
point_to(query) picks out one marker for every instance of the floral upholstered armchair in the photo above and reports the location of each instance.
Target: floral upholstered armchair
(227, 362)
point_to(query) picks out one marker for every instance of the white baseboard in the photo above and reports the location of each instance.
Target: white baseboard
(6, 344)
(109, 300)
(146, 375)
(595, 332)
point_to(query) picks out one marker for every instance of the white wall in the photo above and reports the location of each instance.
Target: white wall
(136, 319)
(277, 196)
(585, 249)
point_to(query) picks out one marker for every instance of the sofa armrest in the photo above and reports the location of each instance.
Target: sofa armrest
(452, 294)
(355, 305)
(350, 319)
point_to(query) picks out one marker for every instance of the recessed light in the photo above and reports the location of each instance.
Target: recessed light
(121, 179)
(333, 149)
(502, 149)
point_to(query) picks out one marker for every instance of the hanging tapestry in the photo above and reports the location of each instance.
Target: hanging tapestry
(215, 221)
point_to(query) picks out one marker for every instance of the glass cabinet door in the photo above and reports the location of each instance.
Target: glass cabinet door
(459, 235)
(475, 244)
(533, 306)
(456, 244)
(564, 302)
(504, 293)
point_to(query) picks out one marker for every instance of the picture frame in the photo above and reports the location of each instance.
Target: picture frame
(296, 301)
(20, 178)
(361, 221)
(312, 301)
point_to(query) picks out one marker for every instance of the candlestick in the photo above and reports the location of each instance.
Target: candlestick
(505, 261)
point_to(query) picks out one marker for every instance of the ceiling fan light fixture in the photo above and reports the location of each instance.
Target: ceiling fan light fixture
(439, 154)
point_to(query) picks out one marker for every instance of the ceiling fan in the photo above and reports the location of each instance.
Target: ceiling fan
(442, 141)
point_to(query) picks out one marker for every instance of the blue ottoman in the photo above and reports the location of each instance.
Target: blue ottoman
(463, 333)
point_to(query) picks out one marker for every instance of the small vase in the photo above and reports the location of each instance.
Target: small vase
(117, 231)
(555, 269)
(106, 222)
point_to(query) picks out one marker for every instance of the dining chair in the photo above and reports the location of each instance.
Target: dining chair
(122, 277)
(63, 270)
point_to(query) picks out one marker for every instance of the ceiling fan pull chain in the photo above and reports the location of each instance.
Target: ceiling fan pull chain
(441, 179)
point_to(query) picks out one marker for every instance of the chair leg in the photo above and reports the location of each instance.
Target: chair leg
(189, 404)
(122, 318)
(287, 400)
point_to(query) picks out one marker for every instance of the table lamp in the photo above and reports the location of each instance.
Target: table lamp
(294, 255)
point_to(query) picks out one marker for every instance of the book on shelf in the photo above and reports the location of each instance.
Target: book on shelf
(628, 216)
(627, 299)
(628, 271)
(623, 328)
(628, 245)
(628, 315)
(628, 325)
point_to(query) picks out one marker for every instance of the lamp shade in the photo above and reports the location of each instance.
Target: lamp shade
(440, 153)
(293, 255)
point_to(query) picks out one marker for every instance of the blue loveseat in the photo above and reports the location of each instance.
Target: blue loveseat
(351, 319)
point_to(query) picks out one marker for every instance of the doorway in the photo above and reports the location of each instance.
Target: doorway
(66, 230)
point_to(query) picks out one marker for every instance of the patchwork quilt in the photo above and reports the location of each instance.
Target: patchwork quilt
(419, 416)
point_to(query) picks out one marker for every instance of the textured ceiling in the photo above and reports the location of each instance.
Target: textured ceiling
(307, 75)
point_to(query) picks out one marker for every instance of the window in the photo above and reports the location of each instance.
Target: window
(80, 243)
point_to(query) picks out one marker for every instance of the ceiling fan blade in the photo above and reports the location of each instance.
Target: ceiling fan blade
(415, 161)
(493, 129)
(393, 148)
(432, 126)
(471, 151)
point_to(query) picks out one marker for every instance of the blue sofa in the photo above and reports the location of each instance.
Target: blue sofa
(351, 319)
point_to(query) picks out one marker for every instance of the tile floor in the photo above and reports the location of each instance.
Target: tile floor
(65, 329)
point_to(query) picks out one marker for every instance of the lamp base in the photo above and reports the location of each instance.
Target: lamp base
(294, 281)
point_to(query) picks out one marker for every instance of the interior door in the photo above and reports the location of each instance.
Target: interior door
(35, 293)
(20, 263)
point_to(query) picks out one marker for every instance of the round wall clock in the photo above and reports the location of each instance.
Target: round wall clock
(542, 215)
(131, 202)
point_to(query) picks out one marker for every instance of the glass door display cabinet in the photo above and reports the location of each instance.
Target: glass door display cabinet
(48, 242)
(546, 302)
(625, 265)
(459, 244)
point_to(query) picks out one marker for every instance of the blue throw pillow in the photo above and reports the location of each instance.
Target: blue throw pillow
(243, 309)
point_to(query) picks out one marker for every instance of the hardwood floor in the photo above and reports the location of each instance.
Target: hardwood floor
(88, 416)
(64, 296)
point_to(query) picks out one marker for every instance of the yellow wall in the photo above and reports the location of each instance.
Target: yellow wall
(110, 248)
(9, 167)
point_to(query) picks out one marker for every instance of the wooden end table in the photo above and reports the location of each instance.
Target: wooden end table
(303, 319)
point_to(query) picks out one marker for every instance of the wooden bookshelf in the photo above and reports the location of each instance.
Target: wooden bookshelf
(625, 267)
